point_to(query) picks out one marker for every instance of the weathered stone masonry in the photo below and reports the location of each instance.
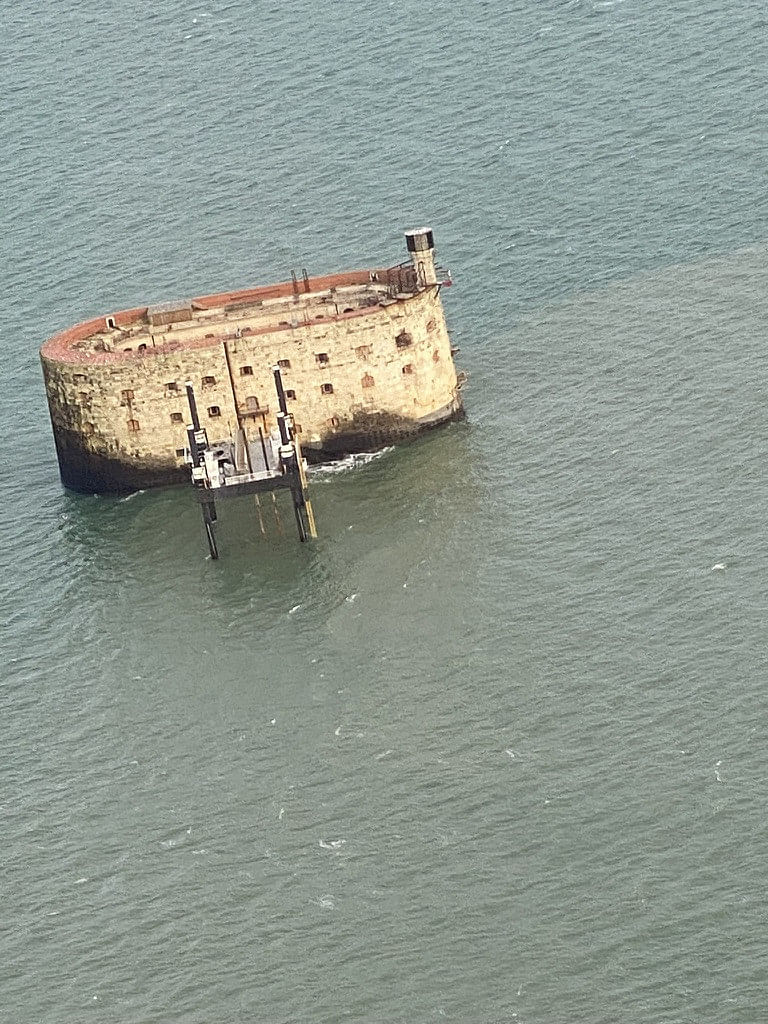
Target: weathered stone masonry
(365, 357)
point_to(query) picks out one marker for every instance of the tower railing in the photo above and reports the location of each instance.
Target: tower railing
(405, 279)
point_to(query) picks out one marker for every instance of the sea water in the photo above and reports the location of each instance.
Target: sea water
(493, 748)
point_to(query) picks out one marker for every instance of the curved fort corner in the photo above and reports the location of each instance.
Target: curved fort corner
(365, 357)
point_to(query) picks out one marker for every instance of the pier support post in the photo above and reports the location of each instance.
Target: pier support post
(198, 444)
(209, 518)
(293, 464)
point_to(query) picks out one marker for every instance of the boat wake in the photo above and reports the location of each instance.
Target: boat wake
(348, 463)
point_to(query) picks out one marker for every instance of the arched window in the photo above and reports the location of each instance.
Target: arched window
(368, 381)
(252, 403)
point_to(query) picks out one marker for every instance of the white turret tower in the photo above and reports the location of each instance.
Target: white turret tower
(421, 246)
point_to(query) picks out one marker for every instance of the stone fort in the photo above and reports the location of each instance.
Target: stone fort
(365, 358)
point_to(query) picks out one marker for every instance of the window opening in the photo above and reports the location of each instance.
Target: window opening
(327, 389)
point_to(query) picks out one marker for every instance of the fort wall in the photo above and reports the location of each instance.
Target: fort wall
(362, 367)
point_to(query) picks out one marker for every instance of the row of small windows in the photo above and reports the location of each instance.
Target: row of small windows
(403, 340)
(208, 381)
(176, 417)
(247, 371)
(252, 402)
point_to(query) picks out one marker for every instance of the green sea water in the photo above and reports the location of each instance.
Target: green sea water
(493, 749)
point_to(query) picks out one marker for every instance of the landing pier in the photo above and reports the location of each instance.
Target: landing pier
(241, 466)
